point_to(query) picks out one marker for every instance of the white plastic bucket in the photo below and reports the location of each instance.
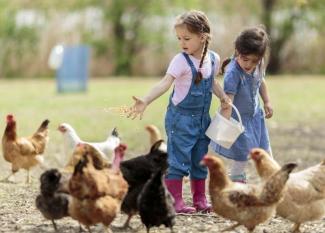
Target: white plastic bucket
(223, 131)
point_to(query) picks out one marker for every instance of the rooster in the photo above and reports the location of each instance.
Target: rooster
(71, 139)
(23, 152)
(305, 197)
(247, 204)
(52, 202)
(97, 191)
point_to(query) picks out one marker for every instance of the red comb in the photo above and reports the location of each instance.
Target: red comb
(255, 154)
(81, 145)
(121, 146)
(10, 117)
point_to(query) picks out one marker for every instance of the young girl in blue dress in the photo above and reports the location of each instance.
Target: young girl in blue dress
(244, 83)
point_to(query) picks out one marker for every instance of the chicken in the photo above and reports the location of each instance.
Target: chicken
(52, 202)
(154, 133)
(156, 205)
(79, 151)
(71, 139)
(137, 172)
(247, 204)
(97, 191)
(305, 197)
(23, 152)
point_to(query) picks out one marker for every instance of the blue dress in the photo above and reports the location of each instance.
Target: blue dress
(245, 88)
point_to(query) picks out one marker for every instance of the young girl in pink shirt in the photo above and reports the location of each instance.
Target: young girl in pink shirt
(192, 72)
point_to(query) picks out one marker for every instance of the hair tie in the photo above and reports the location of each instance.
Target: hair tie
(200, 70)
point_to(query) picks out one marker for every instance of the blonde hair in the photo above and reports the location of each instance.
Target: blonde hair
(196, 22)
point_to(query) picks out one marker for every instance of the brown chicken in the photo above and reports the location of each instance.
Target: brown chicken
(305, 197)
(23, 152)
(97, 191)
(79, 151)
(154, 134)
(247, 204)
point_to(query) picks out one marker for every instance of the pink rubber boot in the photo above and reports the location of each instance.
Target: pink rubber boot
(175, 188)
(199, 199)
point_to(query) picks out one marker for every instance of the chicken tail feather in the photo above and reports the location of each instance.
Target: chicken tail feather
(44, 125)
(273, 189)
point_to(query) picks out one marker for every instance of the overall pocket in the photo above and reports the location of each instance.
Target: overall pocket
(197, 99)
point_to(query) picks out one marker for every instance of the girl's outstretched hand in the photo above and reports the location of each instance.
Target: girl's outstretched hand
(137, 109)
(268, 110)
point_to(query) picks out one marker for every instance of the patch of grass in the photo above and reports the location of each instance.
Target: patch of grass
(295, 100)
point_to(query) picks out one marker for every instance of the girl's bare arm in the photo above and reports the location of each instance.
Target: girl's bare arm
(156, 91)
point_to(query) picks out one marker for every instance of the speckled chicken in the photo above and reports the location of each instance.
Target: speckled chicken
(137, 172)
(52, 202)
(156, 205)
(247, 204)
(304, 199)
(23, 152)
(97, 191)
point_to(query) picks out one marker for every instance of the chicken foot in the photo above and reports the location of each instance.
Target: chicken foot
(126, 225)
(231, 227)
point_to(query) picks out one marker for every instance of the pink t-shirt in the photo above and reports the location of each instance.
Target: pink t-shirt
(181, 71)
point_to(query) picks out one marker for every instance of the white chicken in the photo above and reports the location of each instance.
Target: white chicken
(71, 139)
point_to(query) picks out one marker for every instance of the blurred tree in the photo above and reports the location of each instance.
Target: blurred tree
(17, 41)
(130, 35)
(283, 18)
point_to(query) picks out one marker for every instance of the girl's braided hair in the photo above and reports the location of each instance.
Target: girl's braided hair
(197, 22)
(250, 41)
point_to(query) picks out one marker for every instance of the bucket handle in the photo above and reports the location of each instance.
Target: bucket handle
(237, 112)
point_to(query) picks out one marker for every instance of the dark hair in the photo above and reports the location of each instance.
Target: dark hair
(196, 22)
(250, 41)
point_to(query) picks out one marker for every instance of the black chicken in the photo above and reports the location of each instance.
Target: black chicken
(137, 172)
(52, 202)
(156, 205)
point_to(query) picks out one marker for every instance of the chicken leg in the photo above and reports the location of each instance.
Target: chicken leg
(28, 179)
(6, 179)
(54, 225)
(126, 225)
(295, 228)
(231, 227)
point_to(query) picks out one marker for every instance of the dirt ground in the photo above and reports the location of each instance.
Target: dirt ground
(303, 145)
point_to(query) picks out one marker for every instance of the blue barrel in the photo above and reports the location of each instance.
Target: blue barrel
(72, 75)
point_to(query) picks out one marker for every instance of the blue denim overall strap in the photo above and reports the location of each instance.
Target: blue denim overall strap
(186, 124)
(193, 103)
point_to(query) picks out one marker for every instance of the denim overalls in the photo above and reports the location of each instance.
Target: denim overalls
(245, 88)
(185, 126)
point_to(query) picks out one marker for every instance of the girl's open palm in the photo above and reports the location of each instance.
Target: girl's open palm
(137, 109)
